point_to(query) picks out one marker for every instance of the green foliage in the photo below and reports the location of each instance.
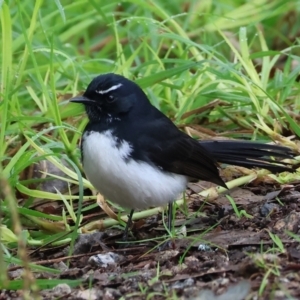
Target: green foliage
(239, 213)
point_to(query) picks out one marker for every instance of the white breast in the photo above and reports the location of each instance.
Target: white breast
(124, 181)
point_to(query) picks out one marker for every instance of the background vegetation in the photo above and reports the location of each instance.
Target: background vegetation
(237, 59)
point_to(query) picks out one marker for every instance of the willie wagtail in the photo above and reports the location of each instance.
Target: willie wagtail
(136, 157)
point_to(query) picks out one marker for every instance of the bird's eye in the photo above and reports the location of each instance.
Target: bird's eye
(110, 99)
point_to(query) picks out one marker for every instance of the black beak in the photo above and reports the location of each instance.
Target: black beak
(83, 100)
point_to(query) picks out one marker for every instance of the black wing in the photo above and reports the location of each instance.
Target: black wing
(174, 151)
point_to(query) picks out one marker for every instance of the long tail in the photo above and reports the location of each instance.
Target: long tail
(249, 154)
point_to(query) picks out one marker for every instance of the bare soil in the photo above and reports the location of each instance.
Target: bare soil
(216, 255)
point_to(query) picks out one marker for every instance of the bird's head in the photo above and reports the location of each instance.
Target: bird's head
(110, 95)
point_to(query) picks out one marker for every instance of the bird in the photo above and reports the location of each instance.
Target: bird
(136, 157)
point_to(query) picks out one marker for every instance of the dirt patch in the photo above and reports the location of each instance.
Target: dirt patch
(215, 255)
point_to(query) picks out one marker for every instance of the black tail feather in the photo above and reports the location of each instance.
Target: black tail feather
(249, 154)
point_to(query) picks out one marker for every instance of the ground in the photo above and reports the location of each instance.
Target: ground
(219, 253)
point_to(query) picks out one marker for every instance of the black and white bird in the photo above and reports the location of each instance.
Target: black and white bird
(136, 157)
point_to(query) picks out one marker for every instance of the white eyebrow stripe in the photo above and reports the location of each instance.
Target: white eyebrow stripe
(114, 87)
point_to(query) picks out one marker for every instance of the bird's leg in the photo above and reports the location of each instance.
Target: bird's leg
(128, 225)
(169, 243)
(170, 216)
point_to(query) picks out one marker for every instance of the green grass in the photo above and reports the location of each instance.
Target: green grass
(239, 213)
(245, 54)
(268, 262)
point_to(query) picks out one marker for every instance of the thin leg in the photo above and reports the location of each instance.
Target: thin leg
(128, 225)
(168, 244)
(170, 216)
